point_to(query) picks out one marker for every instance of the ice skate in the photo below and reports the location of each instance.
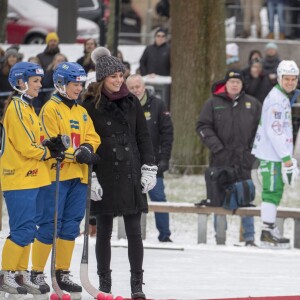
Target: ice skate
(272, 239)
(66, 284)
(105, 282)
(9, 285)
(24, 279)
(38, 278)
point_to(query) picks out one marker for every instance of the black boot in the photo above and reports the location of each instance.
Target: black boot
(136, 282)
(105, 282)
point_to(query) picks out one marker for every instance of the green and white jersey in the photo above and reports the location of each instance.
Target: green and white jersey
(274, 136)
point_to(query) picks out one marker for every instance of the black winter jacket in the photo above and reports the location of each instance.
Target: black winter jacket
(156, 59)
(228, 129)
(160, 127)
(125, 147)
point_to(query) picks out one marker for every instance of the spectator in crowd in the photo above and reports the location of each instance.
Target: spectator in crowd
(161, 131)
(251, 12)
(156, 57)
(51, 49)
(126, 162)
(276, 7)
(270, 61)
(257, 84)
(10, 59)
(47, 82)
(34, 59)
(232, 56)
(85, 60)
(228, 132)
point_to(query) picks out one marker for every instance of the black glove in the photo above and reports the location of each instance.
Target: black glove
(163, 166)
(84, 154)
(56, 147)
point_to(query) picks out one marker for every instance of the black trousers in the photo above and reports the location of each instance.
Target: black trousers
(135, 243)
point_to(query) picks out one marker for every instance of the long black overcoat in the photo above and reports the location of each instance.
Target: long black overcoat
(125, 147)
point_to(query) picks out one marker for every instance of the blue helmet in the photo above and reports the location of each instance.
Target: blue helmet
(68, 72)
(24, 70)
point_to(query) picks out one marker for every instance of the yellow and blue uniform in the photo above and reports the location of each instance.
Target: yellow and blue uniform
(59, 117)
(23, 172)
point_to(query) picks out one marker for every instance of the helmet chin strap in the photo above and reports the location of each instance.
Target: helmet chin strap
(22, 91)
(62, 91)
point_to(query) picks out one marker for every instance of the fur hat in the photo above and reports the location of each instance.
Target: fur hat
(105, 63)
(51, 36)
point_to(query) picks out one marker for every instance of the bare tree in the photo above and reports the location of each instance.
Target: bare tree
(3, 13)
(198, 59)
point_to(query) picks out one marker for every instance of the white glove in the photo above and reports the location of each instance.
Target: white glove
(96, 189)
(290, 174)
(148, 179)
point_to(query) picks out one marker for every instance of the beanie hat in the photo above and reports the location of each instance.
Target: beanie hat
(161, 29)
(234, 73)
(271, 45)
(10, 52)
(232, 49)
(51, 36)
(105, 63)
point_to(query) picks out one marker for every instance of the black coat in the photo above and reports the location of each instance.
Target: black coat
(228, 129)
(125, 147)
(156, 59)
(160, 127)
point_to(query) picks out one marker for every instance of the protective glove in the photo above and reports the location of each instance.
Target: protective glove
(57, 146)
(96, 189)
(148, 180)
(163, 166)
(84, 153)
(290, 174)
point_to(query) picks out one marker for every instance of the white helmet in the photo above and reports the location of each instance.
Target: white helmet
(287, 67)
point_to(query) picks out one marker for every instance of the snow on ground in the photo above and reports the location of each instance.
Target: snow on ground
(198, 271)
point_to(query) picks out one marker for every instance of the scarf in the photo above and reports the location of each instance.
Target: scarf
(123, 92)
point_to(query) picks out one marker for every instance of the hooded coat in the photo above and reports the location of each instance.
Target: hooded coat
(125, 147)
(227, 127)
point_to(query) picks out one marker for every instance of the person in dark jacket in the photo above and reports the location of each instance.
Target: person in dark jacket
(156, 57)
(257, 84)
(126, 170)
(85, 60)
(52, 48)
(161, 131)
(227, 125)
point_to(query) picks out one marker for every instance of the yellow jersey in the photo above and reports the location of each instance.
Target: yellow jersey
(57, 118)
(22, 164)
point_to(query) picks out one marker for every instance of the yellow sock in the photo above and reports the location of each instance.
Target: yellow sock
(24, 259)
(64, 251)
(11, 255)
(40, 254)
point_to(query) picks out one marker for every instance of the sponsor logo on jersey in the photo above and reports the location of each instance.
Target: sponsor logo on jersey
(277, 128)
(7, 172)
(277, 114)
(32, 173)
(248, 105)
(85, 117)
(75, 140)
(53, 166)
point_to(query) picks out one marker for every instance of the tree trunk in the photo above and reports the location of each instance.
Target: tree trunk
(197, 59)
(3, 13)
(113, 26)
